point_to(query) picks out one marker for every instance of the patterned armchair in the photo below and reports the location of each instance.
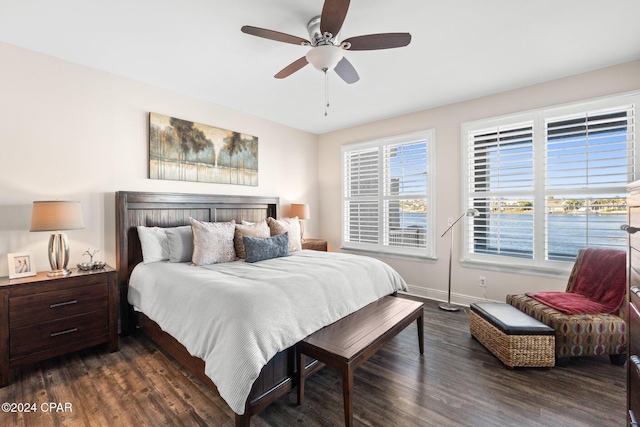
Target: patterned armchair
(590, 320)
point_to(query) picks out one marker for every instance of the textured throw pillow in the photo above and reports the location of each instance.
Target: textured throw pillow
(212, 242)
(291, 226)
(259, 249)
(180, 241)
(257, 229)
(154, 244)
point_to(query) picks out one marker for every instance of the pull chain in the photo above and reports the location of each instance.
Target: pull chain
(326, 93)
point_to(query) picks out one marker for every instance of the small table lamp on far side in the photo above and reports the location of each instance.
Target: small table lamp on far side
(301, 210)
(56, 216)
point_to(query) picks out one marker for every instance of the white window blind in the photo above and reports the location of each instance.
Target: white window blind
(501, 188)
(362, 189)
(589, 161)
(387, 195)
(550, 182)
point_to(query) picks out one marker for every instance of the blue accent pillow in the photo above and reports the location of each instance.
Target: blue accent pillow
(259, 249)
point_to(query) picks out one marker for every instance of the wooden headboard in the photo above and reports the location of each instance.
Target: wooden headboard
(172, 210)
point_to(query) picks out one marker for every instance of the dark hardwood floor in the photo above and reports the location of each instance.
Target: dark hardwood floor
(456, 383)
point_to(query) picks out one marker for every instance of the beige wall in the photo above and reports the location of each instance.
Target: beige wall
(69, 132)
(429, 278)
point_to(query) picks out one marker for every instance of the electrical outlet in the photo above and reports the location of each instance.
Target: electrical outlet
(483, 282)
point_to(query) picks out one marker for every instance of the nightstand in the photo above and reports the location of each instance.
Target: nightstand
(43, 317)
(315, 244)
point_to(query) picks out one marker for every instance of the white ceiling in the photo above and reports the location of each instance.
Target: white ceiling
(461, 49)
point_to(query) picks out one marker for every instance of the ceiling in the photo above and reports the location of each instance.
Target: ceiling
(460, 49)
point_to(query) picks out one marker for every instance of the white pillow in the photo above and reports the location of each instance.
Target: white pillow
(291, 226)
(155, 246)
(212, 242)
(180, 243)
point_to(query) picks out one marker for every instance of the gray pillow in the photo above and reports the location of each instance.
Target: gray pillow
(259, 249)
(180, 243)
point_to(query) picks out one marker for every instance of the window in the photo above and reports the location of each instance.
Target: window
(387, 195)
(549, 182)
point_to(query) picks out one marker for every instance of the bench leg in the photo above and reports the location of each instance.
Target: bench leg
(347, 385)
(420, 323)
(301, 377)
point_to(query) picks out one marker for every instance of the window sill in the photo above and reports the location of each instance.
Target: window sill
(384, 254)
(553, 272)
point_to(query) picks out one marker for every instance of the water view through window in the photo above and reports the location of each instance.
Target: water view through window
(549, 210)
(594, 223)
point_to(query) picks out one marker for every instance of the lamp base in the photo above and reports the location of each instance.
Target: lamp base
(448, 307)
(58, 254)
(56, 273)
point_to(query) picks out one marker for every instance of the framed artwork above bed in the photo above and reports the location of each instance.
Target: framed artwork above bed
(181, 150)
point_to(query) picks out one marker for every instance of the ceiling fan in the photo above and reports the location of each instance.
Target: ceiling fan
(326, 52)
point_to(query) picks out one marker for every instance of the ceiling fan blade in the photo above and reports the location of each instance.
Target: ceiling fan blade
(273, 35)
(379, 41)
(292, 68)
(333, 14)
(346, 71)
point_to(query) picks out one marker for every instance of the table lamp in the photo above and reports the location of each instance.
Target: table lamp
(302, 212)
(56, 216)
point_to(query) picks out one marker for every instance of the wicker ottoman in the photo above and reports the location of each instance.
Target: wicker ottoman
(514, 337)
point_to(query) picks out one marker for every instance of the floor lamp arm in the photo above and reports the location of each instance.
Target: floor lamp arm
(453, 224)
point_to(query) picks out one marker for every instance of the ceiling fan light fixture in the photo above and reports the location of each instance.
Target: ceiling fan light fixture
(325, 57)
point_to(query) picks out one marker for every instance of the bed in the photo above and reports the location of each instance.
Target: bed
(276, 369)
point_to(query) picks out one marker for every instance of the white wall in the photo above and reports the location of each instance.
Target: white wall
(69, 132)
(429, 278)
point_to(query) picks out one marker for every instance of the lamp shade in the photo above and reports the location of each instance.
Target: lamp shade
(471, 212)
(325, 57)
(56, 216)
(299, 210)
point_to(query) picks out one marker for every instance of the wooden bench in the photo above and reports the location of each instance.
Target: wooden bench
(350, 341)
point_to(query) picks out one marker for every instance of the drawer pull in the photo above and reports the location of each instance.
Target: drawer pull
(629, 229)
(635, 290)
(68, 331)
(61, 304)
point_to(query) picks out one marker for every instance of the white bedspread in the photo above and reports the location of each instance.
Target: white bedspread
(236, 316)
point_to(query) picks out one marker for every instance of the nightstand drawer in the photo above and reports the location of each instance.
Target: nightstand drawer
(48, 335)
(50, 306)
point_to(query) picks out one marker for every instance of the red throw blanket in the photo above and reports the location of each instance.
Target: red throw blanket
(599, 285)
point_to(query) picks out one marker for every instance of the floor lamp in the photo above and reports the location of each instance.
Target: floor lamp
(469, 213)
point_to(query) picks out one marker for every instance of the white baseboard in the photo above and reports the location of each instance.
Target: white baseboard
(439, 295)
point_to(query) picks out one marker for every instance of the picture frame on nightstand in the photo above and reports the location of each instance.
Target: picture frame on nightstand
(20, 265)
